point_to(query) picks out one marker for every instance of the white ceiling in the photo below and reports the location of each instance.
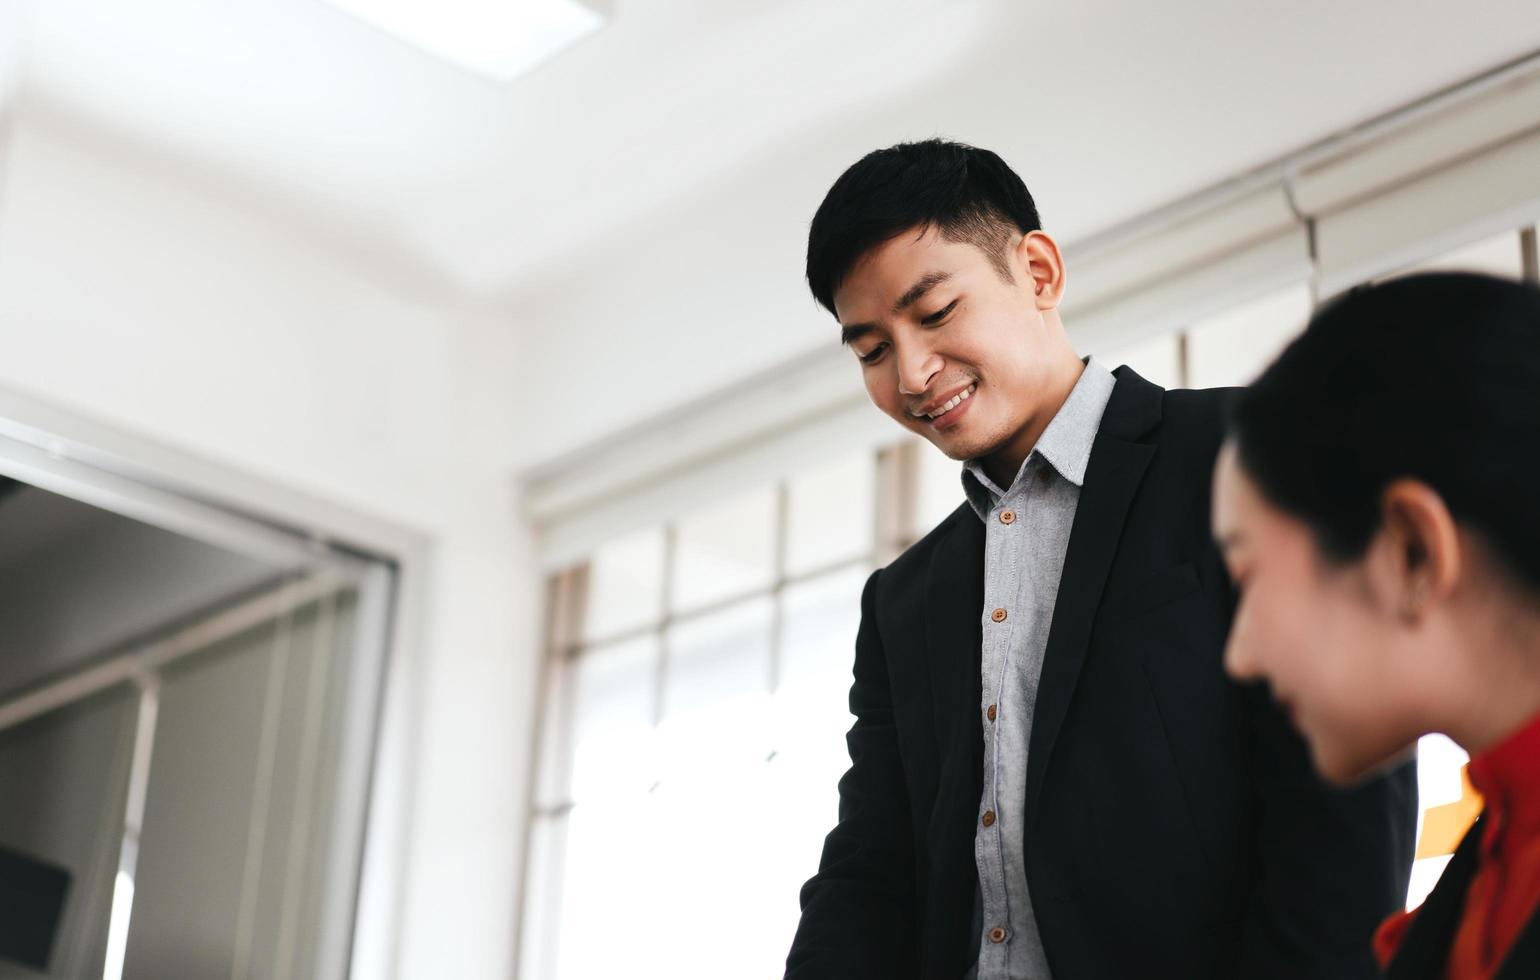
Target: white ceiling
(637, 206)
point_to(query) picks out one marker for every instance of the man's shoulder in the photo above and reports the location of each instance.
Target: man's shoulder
(1197, 410)
(1192, 426)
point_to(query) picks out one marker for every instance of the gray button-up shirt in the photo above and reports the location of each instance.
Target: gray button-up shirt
(1026, 533)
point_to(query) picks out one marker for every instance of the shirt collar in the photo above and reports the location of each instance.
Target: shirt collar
(1065, 444)
(1506, 777)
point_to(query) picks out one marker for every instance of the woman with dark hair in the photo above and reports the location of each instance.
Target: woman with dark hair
(1376, 503)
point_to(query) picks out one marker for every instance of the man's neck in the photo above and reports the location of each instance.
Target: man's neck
(1002, 465)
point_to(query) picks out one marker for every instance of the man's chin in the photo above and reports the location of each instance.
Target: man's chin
(960, 449)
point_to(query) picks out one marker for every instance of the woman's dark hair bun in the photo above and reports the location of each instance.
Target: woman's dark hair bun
(1433, 376)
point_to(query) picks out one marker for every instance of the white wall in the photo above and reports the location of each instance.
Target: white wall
(134, 294)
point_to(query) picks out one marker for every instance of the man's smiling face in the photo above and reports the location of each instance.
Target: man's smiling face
(952, 349)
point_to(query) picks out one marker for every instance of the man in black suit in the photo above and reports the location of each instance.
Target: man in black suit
(1050, 774)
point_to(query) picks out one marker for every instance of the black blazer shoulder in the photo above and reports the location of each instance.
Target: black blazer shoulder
(1196, 417)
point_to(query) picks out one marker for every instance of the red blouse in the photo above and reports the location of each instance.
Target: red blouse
(1505, 891)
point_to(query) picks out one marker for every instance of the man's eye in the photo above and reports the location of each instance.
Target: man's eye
(874, 355)
(939, 315)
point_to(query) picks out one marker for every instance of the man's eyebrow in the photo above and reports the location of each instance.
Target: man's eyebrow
(921, 286)
(854, 331)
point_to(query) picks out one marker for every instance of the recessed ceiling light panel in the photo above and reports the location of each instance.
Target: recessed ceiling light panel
(500, 39)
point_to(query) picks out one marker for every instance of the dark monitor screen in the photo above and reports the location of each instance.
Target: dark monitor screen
(31, 903)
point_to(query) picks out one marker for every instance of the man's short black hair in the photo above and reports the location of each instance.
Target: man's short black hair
(967, 194)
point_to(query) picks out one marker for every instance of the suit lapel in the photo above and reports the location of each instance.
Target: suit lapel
(954, 639)
(1112, 477)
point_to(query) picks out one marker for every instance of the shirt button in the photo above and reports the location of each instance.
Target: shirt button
(989, 818)
(1007, 517)
(991, 712)
(1044, 475)
(998, 615)
(997, 935)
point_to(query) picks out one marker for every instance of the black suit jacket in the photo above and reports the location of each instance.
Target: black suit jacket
(1424, 950)
(1174, 826)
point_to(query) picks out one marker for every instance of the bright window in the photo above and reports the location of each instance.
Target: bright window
(698, 704)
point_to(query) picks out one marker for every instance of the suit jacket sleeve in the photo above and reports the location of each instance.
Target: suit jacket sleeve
(858, 910)
(1332, 864)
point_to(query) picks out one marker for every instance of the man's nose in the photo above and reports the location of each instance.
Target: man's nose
(917, 365)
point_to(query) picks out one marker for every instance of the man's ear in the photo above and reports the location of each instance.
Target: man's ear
(1422, 547)
(1039, 263)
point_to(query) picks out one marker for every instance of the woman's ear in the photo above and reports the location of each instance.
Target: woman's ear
(1038, 261)
(1422, 548)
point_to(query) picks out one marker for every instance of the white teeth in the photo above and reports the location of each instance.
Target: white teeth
(956, 400)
